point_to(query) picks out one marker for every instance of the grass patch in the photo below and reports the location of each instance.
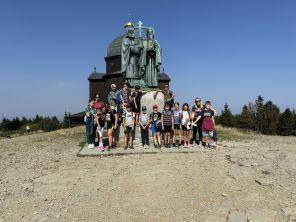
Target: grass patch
(228, 133)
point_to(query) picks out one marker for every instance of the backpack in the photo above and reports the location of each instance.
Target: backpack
(118, 100)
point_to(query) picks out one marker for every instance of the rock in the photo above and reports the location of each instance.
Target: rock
(236, 216)
(224, 195)
(264, 182)
(260, 215)
(289, 211)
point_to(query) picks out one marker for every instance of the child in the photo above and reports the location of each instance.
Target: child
(195, 112)
(155, 119)
(128, 125)
(100, 128)
(208, 124)
(167, 121)
(144, 124)
(111, 120)
(185, 121)
(177, 125)
(90, 116)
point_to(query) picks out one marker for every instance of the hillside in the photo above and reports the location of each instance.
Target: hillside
(248, 176)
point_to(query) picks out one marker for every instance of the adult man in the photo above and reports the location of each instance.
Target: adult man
(168, 95)
(132, 59)
(112, 97)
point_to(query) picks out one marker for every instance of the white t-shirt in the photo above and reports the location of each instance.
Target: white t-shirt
(185, 118)
(128, 117)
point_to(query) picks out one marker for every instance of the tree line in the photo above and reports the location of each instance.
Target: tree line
(46, 124)
(261, 116)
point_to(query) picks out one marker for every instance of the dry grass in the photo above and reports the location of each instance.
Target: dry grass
(227, 133)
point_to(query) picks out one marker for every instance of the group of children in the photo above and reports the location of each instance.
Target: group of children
(173, 124)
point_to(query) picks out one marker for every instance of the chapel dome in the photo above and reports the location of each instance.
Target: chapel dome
(114, 48)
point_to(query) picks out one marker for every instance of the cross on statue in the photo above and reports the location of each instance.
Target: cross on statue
(140, 28)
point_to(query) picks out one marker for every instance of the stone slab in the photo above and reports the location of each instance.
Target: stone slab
(85, 151)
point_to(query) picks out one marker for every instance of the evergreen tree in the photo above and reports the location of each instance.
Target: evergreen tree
(227, 118)
(245, 119)
(270, 119)
(286, 123)
(259, 113)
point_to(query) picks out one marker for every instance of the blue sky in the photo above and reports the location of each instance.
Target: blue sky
(221, 50)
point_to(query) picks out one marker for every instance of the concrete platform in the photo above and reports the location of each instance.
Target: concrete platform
(86, 152)
(138, 149)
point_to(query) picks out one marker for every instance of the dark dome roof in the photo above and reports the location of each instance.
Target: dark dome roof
(114, 48)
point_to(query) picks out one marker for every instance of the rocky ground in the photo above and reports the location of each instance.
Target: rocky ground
(247, 178)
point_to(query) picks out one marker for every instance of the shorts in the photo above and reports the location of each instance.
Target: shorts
(206, 133)
(177, 126)
(167, 129)
(154, 129)
(110, 126)
(184, 128)
(128, 130)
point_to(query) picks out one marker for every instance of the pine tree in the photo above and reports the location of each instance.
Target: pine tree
(259, 113)
(286, 123)
(227, 118)
(271, 114)
(245, 119)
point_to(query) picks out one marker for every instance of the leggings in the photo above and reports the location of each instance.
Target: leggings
(195, 130)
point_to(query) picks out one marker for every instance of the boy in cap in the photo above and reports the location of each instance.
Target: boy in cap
(144, 124)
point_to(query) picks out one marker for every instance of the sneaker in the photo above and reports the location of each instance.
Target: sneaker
(159, 146)
(100, 147)
(92, 146)
(131, 147)
(155, 146)
(89, 146)
(125, 147)
(185, 145)
(189, 145)
(174, 145)
(169, 145)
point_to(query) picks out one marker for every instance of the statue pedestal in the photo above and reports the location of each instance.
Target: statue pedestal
(148, 99)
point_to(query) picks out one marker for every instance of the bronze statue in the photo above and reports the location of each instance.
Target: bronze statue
(153, 59)
(132, 58)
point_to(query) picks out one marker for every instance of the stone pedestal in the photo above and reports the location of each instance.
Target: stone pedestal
(148, 99)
